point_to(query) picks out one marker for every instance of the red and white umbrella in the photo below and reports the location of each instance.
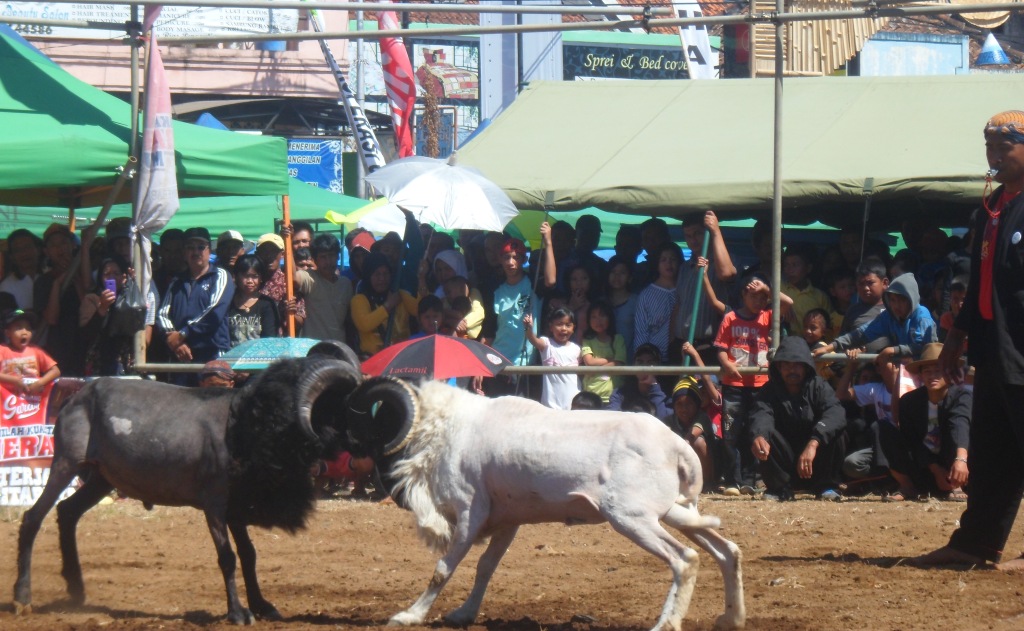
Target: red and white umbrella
(436, 357)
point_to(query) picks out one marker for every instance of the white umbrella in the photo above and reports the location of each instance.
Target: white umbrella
(443, 193)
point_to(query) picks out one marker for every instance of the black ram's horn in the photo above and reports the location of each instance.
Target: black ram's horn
(323, 374)
(335, 350)
(392, 426)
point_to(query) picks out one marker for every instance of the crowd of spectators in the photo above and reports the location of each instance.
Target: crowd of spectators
(798, 424)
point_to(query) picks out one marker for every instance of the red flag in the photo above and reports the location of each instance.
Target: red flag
(400, 82)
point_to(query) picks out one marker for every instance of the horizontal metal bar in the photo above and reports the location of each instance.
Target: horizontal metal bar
(561, 370)
(869, 12)
(456, 31)
(529, 8)
(419, 33)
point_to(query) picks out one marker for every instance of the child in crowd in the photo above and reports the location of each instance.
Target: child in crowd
(580, 285)
(743, 341)
(872, 391)
(797, 265)
(622, 299)
(463, 308)
(602, 346)
(842, 286)
(817, 326)
(304, 259)
(557, 350)
(24, 369)
(905, 323)
(957, 293)
(691, 422)
(709, 291)
(929, 450)
(642, 387)
(658, 301)
(586, 401)
(429, 313)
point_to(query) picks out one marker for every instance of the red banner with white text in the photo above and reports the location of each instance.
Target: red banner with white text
(26, 440)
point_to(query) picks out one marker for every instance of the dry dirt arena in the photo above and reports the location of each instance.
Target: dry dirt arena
(807, 565)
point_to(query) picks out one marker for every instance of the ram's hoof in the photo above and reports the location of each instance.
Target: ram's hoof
(404, 619)
(22, 610)
(726, 622)
(243, 616)
(460, 618)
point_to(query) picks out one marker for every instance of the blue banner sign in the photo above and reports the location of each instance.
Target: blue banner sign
(316, 161)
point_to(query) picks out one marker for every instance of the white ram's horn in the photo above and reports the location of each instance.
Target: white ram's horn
(413, 422)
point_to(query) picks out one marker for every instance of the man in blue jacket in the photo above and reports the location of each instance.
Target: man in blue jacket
(194, 309)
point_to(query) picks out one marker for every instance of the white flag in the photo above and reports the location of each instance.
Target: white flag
(158, 184)
(700, 61)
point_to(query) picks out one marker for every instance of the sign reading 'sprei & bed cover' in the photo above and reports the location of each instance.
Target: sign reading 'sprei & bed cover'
(26, 440)
(174, 21)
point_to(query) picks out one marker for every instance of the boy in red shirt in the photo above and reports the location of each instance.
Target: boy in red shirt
(24, 369)
(743, 341)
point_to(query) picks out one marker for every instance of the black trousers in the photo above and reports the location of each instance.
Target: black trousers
(996, 461)
(779, 470)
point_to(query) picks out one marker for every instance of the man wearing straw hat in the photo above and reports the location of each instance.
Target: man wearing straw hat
(993, 318)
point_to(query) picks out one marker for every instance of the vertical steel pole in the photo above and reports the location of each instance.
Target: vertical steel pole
(360, 95)
(777, 185)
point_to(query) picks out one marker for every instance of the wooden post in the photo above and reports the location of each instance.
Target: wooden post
(289, 263)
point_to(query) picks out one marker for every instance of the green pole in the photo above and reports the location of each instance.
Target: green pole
(696, 293)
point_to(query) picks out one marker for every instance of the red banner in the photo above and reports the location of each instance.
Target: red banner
(26, 440)
(400, 82)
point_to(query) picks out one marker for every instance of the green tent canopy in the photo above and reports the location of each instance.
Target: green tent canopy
(63, 141)
(668, 147)
(252, 215)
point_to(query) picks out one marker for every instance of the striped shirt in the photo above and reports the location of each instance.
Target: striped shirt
(653, 315)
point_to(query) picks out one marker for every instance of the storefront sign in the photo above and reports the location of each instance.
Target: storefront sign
(610, 62)
(173, 22)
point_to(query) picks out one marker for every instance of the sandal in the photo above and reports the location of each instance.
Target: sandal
(956, 495)
(899, 496)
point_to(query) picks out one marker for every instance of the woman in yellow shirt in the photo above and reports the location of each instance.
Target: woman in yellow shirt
(376, 302)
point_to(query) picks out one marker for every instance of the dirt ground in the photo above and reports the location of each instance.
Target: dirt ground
(807, 565)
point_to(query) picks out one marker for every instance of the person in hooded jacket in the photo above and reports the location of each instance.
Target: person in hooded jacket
(908, 325)
(376, 302)
(797, 426)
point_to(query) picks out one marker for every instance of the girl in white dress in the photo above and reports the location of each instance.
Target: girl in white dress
(557, 350)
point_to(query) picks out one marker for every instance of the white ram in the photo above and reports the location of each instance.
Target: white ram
(469, 467)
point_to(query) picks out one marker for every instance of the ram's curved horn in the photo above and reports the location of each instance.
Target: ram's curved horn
(322, 375)
(334, 349)
(391, 435)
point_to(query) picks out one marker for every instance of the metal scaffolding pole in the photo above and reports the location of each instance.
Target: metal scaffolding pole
(872, 12)
(354, 5)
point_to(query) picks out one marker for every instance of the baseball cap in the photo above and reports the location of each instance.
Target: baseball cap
(18, 314)
(270, 237)
(234, 235)
(362, 240)
(197, 233)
